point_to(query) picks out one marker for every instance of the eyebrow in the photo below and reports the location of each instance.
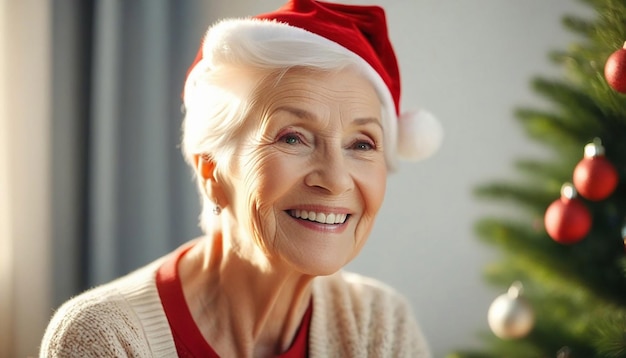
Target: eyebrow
(303, 114)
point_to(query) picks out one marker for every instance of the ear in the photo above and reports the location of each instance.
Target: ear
(205, 167)
(213, 188)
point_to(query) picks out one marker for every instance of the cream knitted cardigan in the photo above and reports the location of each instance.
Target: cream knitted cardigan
(353, 316)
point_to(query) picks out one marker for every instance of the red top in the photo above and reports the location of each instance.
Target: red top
(187, 337)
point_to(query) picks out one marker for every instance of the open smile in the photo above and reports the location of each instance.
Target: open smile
(319, 217)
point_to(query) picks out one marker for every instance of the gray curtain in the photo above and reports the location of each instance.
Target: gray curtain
(122, 193)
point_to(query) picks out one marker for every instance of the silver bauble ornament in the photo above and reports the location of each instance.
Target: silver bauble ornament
(510, 315)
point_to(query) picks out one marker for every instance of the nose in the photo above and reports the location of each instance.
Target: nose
(330, 171)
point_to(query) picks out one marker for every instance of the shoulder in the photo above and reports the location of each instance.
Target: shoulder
(96, 323)
(362, 316)
(104, 321)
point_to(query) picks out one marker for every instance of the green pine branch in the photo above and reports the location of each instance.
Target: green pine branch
(578, 291)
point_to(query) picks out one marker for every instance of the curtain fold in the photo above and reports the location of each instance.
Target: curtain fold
(142, 201)
(123, 195)
(71, 81)
(104, 144)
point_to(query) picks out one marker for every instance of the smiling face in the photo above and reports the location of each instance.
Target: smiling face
(307, 180)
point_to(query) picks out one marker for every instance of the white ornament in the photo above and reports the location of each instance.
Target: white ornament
(510, 315)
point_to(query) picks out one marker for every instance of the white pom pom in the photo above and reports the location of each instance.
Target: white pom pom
(419, 135)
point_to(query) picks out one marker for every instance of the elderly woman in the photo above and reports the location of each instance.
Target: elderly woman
(291, 128)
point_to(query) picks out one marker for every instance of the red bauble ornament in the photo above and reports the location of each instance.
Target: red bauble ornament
(567, 219)
(595, 178)
(615, 70)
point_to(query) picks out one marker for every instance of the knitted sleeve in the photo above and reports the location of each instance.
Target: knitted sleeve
(94, 325)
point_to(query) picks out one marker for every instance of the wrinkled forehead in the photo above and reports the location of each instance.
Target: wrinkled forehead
(344, 86)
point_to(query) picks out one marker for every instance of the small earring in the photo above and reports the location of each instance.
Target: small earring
(217, 209)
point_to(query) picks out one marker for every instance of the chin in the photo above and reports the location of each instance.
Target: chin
(325, 271)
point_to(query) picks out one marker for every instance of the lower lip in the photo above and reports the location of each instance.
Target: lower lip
(327, 228)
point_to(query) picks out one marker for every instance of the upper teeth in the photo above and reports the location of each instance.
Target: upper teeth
(324, 218)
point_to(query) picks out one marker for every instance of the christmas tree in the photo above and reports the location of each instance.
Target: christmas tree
(574, 277)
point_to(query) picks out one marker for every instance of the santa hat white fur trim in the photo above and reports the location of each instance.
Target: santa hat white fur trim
(419, 137)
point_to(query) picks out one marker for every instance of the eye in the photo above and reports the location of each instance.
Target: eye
(363, 145)
(290, 138)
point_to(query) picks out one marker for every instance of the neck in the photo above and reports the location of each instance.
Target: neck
(241, 308)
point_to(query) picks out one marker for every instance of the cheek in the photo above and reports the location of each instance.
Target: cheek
(373, 188)
(273, 180)
(372, 184)
(276, 174)
(268, 177)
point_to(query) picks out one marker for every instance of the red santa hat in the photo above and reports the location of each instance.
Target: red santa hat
(361, 33)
